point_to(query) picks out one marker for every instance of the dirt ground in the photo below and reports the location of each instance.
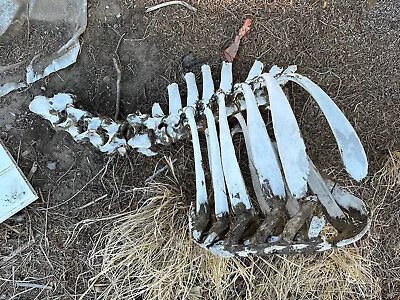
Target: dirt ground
(350, 51)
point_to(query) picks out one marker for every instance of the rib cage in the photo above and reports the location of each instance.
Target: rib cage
(295, 201)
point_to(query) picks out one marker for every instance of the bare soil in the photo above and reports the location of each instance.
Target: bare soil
(350, 51)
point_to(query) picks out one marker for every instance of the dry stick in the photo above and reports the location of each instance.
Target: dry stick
(118, 88)
(33, 285)
(159, 171)
(13, 66)
(32, 171)
(116, 66)
(93, 202)
(11, 228)
(155, 7)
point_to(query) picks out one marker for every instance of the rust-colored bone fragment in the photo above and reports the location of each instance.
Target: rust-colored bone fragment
(231, 51)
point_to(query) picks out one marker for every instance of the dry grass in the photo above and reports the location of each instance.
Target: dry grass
(148, 255)
(390, 172)
(386, 252)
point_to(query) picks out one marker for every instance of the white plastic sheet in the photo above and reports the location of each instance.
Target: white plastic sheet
(37, 38)
(15, 190)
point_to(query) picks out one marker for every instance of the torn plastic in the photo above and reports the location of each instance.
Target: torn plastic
(37, 38)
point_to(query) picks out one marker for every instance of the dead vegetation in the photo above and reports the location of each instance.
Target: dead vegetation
(386, 251)
(148, 254)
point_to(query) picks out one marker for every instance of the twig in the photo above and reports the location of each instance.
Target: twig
(33, 285)
(28, 20)
(155, 7)
(13, 66)
(32, 171)
(160, 171)
(11, 228)
(119, 43)
(118, 88)
(19, 151)
(92, 202)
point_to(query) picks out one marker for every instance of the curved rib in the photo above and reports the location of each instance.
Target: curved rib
(265, 160)
(291, 148)
(318, 186)
(239, 199)
(201, 193)
(254, 178)
(230, 165)
(220, 198)
(350, 147)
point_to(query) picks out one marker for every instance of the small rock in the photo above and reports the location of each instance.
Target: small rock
(51, 165)
(25, 153)
(118, 15)
(106, 79)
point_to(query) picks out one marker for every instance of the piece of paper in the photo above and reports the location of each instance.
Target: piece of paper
(15, 190)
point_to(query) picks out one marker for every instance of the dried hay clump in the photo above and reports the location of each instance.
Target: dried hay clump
(390, 173)
(148, 255)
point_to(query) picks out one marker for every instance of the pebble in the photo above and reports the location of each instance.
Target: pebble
(106, 79)
(25, 153)
(51, 165)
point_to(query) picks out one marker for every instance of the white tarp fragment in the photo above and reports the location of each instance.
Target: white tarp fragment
(37, 38)
(15, 190)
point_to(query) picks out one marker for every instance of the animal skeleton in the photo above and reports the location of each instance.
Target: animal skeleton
(293, 200)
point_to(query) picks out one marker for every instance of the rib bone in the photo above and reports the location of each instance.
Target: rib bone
(202, 208)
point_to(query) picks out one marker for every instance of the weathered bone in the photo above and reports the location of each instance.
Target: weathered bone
(221, 208)
(292, 217)
(202, 207)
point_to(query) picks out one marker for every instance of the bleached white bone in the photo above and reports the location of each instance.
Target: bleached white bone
(255, 71)
(318, 186)
(174, 101)
(90, 134)
(233, 176)
(226, 77)
(351, 150)
(265, 161)
(253, 172)
(345, 199)
(292, 151)
(316, 225)
(217, 175)
(192, 97)
(156, 110)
